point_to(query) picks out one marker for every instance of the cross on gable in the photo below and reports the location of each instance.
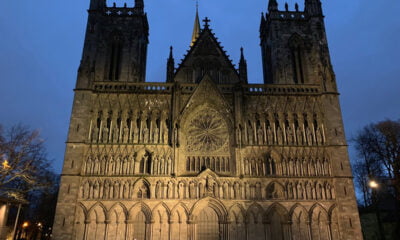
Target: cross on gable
(206, 22)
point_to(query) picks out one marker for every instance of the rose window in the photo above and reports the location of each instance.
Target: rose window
(206, 132)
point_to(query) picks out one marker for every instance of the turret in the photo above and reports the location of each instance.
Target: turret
(243, 68)
(272, 6)
(139, 6)
(170, 66)
(97, 4)
(313, 8)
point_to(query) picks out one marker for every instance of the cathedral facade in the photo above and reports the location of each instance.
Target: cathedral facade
(206, 155)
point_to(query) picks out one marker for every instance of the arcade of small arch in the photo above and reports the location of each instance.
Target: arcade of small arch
(198, 188)
(206, 219)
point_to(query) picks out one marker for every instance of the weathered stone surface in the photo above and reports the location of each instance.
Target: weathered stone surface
(206, 155)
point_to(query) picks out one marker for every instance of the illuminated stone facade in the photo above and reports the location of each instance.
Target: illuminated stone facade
(206, 155)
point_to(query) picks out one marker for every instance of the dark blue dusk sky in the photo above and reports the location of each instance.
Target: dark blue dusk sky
(41, 44)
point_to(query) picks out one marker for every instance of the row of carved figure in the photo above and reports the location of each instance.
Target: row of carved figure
(127, 189)
(145, 163)
(216, 164)
(146, 127)
(207, 220)
(282, 130)
(286, 167)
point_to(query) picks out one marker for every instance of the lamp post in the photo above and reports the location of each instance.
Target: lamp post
(374, 185)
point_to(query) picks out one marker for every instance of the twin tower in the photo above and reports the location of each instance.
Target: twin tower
(206, 155)
(293, 45)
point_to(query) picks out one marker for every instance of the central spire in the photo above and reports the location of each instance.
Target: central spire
(196, 28)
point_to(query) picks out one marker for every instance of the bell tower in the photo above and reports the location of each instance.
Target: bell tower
(297, 54)
(115, 47)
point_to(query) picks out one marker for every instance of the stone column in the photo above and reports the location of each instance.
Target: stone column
(86, 230)
(170, 226)
(287, 230)
(128, 229)
(246, 227)
(224, 230)
(149, 230)
(265, 230)
(106, 224)
(191, 227)
(309, 229)
(329, 226)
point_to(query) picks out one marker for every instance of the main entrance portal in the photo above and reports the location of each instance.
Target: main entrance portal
(207, 225)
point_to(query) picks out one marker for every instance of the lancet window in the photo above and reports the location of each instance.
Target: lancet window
(115, 57)
(216, 163)
(297, 50)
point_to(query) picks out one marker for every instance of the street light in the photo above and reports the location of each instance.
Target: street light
(5, 164)
(25, 224)
(374, 185)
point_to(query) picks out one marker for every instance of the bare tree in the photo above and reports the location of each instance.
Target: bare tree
(378, 146)
(24, 165)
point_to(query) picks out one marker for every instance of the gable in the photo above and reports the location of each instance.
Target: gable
(207, 57)
(207, 93)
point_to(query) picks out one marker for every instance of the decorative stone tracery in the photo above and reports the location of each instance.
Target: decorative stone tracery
(206, 131)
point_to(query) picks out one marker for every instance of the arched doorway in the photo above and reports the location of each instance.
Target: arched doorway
(208, 225)
(139, 226)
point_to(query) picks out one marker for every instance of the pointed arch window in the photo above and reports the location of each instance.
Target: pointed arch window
(115, 56)
(296, 45)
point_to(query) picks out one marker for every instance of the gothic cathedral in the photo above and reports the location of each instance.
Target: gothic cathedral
(206, 155)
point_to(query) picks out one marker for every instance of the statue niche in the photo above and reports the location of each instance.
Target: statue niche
(145, 162)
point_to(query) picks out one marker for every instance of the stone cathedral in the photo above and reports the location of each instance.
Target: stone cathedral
(206, 155)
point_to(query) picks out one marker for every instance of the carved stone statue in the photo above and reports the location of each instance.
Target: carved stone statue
(105, 134)
(115, 134)
(299, 136)
(290, 136)
(126, 135)
(318, 135)
(95, 134)
(270, 135)
(192, 190)
(158, 190)
(135, 135)
(279, 135)
(260, 136)
(169, 165)
(209, 185)
(145, 135)
(156, 135)
(181, 190)
(170, 190)
(309, 136)
(251, 135)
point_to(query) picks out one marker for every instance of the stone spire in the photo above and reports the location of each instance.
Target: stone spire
(170, 66)
(272, 5)
(196, 28)
(243, 67)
